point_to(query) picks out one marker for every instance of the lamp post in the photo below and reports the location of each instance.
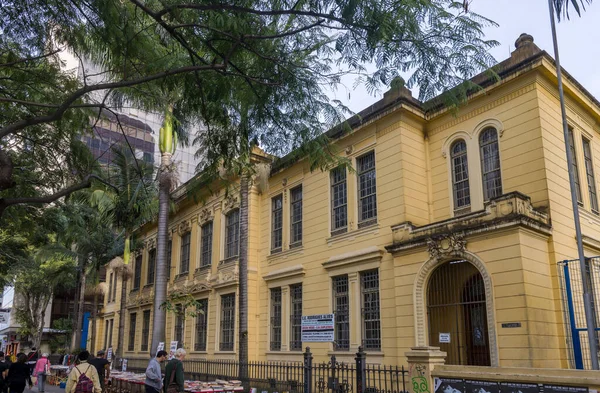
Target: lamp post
(587, 296)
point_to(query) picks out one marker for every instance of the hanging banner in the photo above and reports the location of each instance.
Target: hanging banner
(318, 328)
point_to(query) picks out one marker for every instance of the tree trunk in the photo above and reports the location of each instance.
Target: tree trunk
(37, 341)
(120, 338)
(76, 308)
(93, 331)
(162, 274)
(79, 321)
(243, 277)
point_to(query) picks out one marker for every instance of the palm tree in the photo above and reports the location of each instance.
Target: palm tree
(166, 181)
(125, 210)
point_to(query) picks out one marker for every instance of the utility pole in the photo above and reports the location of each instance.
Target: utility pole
(587, 296)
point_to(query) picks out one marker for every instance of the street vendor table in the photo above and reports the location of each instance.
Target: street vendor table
(127, 382)
(58, 373)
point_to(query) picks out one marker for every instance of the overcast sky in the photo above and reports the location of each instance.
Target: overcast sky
(578, 41)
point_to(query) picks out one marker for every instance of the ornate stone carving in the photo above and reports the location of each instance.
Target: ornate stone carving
(184, 226)
(230, 202)
(349, 150)
(446, 245)
(141, 298)
(151, 243)
(284, 181)
(205, 216)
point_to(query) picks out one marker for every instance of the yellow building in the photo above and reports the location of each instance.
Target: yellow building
(447, 234)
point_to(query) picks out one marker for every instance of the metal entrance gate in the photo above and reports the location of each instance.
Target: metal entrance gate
(573, 309)
(457, 313)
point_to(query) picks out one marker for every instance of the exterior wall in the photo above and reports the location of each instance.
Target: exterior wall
(517, 259)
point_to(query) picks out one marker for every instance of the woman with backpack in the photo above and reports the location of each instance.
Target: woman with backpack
(83, 378)
(19, 374)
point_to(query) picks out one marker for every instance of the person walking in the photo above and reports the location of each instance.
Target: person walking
(154, 382)
(102, 367)
(83, 378)
(19, 374)
(4, 366)
(32, 358)
(41, 370)
(174, 381)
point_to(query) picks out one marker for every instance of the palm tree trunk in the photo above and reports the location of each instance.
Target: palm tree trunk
(79, 324)
(76, 308)
(243, 277)
(162, 273)
(120, 338)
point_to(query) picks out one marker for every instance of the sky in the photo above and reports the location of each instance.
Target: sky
(578, 42)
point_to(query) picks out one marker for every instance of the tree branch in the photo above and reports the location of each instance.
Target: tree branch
(19, 125)
(26, 59)
(86, 183)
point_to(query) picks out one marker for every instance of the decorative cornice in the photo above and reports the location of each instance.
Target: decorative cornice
(151, 243)
(369, 254)
(184, 227)
(509, 210)
(230, 203)
(205, 216)
(225, 277)
(288, 272)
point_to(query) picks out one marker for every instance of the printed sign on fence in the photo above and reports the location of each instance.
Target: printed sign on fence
(318, 328)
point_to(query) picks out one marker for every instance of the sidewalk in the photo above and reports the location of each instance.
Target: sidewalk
(48, 389)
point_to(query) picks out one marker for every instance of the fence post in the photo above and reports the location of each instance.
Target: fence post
(361, 360)
(308, 371)
(421, 363)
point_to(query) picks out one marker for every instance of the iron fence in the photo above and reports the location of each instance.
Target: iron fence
(571, 287)
(298, 377)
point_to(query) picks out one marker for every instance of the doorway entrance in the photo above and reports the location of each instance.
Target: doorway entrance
(457, 313)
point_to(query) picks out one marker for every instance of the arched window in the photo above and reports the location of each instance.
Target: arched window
(457, 313)
(460, 175)
(490, 163)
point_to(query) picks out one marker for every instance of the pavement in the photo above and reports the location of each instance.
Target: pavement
(48, 389)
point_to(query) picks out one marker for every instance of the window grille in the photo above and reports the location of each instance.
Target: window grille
(201, 325)
(276, 223)
(179, 324)
(276, 319)
(184, 264)
(151, 267)
(589, 171)
(137, 273)
(341, 306)
(206, 240)
(132, 322)
(296, 317)
(574, 164)
(227, 322)
(145, 330)
(460, 175)
(371, 318)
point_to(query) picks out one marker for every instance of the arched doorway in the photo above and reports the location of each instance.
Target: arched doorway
(457, 313)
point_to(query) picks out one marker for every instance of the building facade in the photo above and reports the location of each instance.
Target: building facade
(447, 233)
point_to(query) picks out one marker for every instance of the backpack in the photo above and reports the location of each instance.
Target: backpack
(84, 384)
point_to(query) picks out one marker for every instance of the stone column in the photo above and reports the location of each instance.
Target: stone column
(421, 362)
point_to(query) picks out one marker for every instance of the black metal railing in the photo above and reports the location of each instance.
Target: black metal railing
(297, 377)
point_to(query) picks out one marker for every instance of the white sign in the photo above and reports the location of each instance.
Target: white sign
(444, 338)
(172, 349)
(318, 328)
(3, 317)
(109, 354)
(124, 367)
(161, 346)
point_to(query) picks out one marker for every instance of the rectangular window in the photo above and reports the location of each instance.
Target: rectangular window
(339, 201)
(145, 330)
(227, 322)
(232, 234)
(296, 217)
(371, 321)
(341, 309)
(367, 189)
(110, 288)
(276, 319)
(179, 324)
(114, 293)
(106, 329)
(169, 256)
(201, 325)
(151, 267)
(206, 244)
(574, 165)
(132, 322)
(589, 172)
(184, 260)
(137, 273)
(110, 332)
(276, 223)
(296, 317)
